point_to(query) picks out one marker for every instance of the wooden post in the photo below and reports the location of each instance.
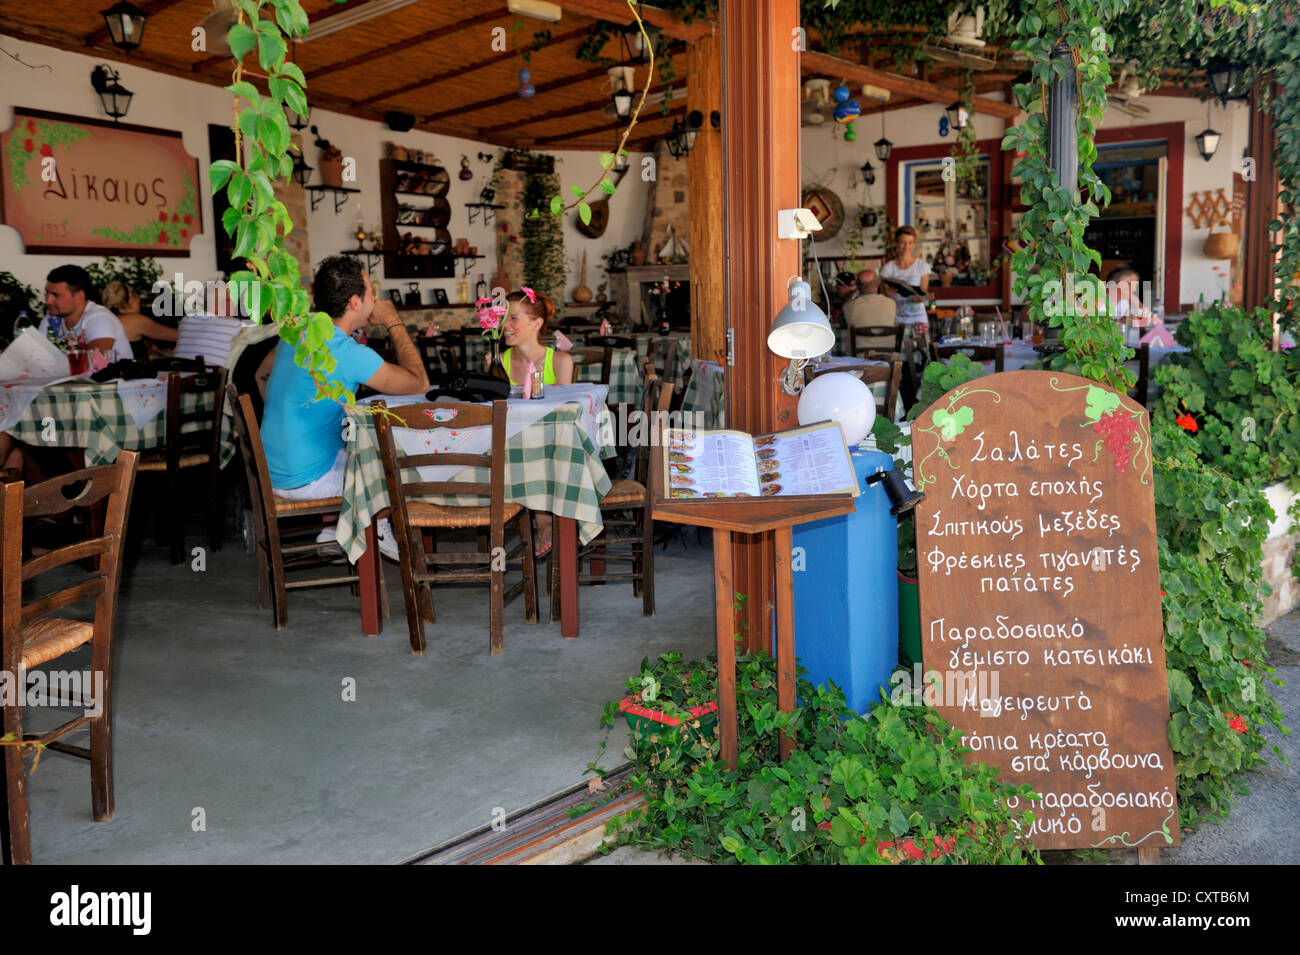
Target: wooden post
(704, 165)
(760, 126)
(1261, 205)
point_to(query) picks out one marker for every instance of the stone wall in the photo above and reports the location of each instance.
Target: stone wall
(669, 203)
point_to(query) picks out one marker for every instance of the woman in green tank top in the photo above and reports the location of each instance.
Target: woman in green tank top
(526, 322)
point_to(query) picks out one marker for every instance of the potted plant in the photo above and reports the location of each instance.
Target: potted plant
(15, 297)
(664, 697)
(331, 161)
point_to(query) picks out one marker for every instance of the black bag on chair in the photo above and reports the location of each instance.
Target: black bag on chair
(468, 386)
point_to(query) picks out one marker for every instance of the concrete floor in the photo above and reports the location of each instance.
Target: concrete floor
(234, 743)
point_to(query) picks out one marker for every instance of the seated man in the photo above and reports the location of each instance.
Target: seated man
(870, 308)
(303, 435)
(72, 318)
(76, 322)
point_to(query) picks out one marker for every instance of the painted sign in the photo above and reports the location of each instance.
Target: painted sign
(85, 186)
(1040, 600)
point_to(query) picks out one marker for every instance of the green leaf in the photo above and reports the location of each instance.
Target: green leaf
(245, 89)
(606, 160)
(577, 191)
(270, 50)
(219, 173)
(241, 39)
(584, 213)
(608, 187)
(557, 205)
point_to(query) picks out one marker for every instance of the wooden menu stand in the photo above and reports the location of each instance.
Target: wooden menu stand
(750, 515)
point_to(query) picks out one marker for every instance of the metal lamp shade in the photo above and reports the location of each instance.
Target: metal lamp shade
(902, 498)
(297, 120)
(622, 103)
(883, 148)
(113, 96)
(125, 23)
(868, 173)
(1224, 78)
(1207, 142)
(637, 43)
(801, 329)
(301, 171)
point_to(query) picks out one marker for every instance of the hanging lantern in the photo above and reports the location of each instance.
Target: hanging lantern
(1207, 142)
(125, 23)
(1224, 78)
(637, 44)
(883, 146)
(868, 173)
(113, 96)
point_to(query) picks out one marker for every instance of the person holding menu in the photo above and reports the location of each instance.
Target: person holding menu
(906, 267)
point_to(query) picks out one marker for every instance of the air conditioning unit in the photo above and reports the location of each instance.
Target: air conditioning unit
(537, 9)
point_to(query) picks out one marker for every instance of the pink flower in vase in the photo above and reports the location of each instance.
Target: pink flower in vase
(532, 296)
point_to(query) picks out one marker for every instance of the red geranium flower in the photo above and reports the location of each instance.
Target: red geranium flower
(162, 217)
(1187, 422)
(185, 233)
(175, 217)
(1236, 722)
(162, 236)
(46, 149)
(28, 145)
(188, 218)
(31, 125)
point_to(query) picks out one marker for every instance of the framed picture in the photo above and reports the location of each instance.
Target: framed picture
(439, 296)
(395, 296)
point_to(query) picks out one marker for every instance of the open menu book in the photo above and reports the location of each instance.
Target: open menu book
(809, 460)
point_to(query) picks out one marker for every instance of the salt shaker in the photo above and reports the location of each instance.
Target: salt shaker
(537, 390)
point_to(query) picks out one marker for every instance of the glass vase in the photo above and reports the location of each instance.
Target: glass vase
(496, 367)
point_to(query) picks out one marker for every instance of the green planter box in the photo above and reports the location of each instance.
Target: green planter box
(909, 620)
(644, 720)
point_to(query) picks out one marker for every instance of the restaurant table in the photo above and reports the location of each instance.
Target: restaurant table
(1019, 354)
(99, 417)
(553, 463)
(625, 383)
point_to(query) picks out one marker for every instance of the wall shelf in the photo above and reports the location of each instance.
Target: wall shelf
(341, 194)
(373, 257)
(488, 208)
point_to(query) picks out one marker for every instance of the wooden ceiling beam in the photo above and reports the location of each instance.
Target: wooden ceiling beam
(615, 11)
(454, 73)
(157, 6)
(428, 36)
(607, 127)
(540, 89)
(565, 113)
(811, 62)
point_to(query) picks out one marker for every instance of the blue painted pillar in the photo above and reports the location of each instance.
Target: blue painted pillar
(846, 594)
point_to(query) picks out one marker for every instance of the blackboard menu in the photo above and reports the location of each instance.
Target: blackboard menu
(1040, 600)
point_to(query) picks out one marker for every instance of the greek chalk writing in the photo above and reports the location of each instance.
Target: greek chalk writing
(983, 492)
(1027, 585)
(1062, 453)
(997, 525)
(1083, 486)
(1076, 522)
(950, 562)
(1041, 703)
(1105, 656)
(1096, 558)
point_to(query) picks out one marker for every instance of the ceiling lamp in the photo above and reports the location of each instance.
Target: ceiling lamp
(694, 120)
(115, 98)
(868, 173)
(637, 43)
(1224, 78)
(883, 146)
(621, 81)
(125, 23)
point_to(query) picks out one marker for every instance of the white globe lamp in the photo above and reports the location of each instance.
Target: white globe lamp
(842, 398)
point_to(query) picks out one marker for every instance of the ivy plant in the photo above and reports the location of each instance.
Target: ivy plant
(270, 285)
(887, 787)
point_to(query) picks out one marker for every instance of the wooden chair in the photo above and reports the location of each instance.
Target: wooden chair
(981, 353)
(863, 338)
(30, 634)
(628, 537)
(663, 351)
(600, 358)
(1141, 389)
(420, 564)
(610, 341)
(275, 519)
(193, 441)
(430, 350)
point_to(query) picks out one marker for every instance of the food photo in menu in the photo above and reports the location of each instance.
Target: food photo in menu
(713, 464)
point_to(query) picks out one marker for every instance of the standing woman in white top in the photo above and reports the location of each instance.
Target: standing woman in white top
(905, 267)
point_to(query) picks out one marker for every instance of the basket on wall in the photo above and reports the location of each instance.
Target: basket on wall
(1222, 245)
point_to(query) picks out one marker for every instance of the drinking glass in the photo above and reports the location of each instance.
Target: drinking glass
(76, 361)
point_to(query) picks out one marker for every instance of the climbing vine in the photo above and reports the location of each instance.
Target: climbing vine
(270, 284)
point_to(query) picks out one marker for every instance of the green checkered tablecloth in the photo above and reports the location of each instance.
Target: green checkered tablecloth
(681, 358)
(551, 465)
(707, 392)
(91, 415)
(625, 385)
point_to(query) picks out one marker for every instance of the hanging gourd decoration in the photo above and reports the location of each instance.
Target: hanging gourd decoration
(525, 83)
(465, 173)
(943, 125)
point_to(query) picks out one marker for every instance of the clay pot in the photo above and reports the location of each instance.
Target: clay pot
(638, 254)
(331, 172)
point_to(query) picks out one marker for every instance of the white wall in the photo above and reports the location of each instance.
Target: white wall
(167, 102)
(829, 160)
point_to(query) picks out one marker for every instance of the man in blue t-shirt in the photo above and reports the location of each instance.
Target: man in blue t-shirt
(302, 434)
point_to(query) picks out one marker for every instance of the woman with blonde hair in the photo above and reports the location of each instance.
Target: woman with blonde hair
(906, 267)
(141, 330)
